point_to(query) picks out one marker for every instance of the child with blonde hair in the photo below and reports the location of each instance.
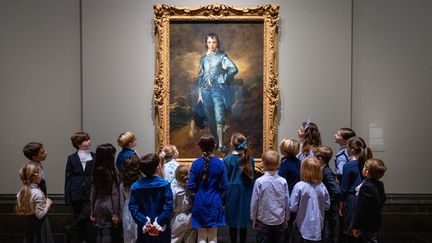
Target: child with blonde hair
(181, 219)
(169, 162)
(127, 141)
(32, 203)
(371, 198)
(309, 200)
(290, 170)
(270, 194)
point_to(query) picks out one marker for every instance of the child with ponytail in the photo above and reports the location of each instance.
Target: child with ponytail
(351, 179)
(208, 180)
(239, 166)
(32, 203)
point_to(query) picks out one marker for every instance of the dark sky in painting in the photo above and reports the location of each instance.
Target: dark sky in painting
(241, 41)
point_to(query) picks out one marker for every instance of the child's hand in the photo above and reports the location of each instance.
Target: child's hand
(152, 230)
(341, 205)
(93, 218)
(48, 202)
(356, 232)
(254, 224)
(115, 219)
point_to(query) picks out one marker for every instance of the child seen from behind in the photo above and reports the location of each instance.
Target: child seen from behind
(270, 194)
(309, 200)
(181, 219)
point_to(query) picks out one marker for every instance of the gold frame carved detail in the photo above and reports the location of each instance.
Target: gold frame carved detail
(164, 14)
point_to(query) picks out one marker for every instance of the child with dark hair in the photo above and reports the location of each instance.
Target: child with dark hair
(77, 190)
(151, 202)
(341, 158)
(371, 198)
(208, 180)
(239, 166)
(104, 199)
(310, 138)
(331, 219)
(130, 174)
(36, 153)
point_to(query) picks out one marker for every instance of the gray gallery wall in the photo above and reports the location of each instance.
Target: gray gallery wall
(365, 64)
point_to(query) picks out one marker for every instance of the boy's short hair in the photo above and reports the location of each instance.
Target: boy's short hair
(78, 138)
(32, 149)
(149, 163)
(325, 153)
(347, 133)
(289, 147)
(376, 168)
(125, 138)
(270, 160)
(310, 170)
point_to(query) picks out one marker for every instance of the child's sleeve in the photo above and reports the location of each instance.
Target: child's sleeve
(332, 186)
(192, 179)
(68, 176)
(115, 197)
(287, 201)
(40, 204)
(164, 217)
(224, 181)
(326, 197)
(295, 198)
(254, 201)
(361, 207)
(345, 183)
(139, 218)
(92, 199)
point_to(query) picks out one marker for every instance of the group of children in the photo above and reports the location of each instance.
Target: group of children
(155, 199)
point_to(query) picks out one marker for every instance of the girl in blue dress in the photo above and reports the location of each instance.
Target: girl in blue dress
(208, 180)
(239, 166)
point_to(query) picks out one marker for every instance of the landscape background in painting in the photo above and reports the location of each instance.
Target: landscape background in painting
(243, 43)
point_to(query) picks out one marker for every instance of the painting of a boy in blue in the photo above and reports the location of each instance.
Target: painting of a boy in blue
(207, 211)
(216, 72)
(151, 197)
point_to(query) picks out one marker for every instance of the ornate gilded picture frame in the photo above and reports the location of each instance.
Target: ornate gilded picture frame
(216, 73)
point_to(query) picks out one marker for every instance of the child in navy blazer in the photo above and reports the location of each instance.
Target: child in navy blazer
(77, 188)
(371, 198)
